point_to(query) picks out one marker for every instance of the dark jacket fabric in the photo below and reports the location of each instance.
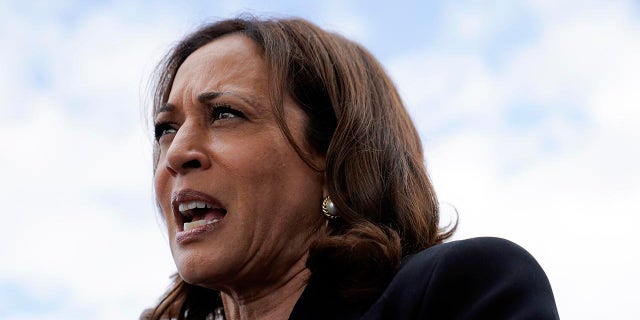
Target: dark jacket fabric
(480, 278)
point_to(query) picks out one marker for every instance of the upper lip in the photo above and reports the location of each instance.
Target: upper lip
(187, 195)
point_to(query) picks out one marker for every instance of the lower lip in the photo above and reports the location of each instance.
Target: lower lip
(183, 237)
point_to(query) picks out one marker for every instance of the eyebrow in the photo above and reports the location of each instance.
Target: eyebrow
(202, 98)
(167, 107)
(212, 95)
(205, 98)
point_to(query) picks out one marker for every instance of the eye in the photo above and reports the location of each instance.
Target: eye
(162, 129)
(221, 112)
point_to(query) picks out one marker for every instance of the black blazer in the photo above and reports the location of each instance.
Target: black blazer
(481, 278)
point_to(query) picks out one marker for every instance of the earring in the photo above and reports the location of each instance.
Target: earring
(328, 209)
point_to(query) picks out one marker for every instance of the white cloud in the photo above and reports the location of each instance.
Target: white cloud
(440, 89)
(574, 205)
(81, 223)
(64, 232)
(343, 18)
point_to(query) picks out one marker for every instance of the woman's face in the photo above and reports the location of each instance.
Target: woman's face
(240, 205)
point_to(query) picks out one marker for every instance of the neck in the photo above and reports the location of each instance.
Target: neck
(272, 301)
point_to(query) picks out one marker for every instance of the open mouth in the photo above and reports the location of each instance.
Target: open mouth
(194, 209)
(199, 213)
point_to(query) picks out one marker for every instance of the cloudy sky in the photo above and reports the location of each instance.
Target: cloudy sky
(529, 112)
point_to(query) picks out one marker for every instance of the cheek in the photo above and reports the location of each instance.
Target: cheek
(267, 169)
(158, 183)
(254, 158)
(162, 191)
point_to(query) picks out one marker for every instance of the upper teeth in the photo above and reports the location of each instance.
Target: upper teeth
(192, 205)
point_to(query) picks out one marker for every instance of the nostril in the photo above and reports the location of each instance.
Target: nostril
(192, 164)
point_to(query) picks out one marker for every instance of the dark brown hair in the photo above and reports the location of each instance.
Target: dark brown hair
(374, 169)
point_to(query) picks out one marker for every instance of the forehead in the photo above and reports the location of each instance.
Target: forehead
(230, 63)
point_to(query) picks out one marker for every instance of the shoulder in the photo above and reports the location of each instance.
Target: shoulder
(472, 256)
(474, 278)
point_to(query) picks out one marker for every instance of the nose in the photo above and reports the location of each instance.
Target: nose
(187, 151)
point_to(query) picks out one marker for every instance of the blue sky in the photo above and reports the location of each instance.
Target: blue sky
(528, 111)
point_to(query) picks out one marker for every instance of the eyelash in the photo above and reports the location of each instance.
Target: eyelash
(160, 129)
(217, 109)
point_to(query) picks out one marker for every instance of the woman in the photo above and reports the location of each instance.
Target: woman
(292, 184)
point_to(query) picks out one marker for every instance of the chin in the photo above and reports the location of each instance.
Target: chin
(197, 272)
(191, 278)
(194, 274)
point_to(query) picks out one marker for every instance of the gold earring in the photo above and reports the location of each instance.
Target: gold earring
(329, 209)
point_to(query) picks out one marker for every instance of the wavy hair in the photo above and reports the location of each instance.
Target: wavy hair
(374, 169)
